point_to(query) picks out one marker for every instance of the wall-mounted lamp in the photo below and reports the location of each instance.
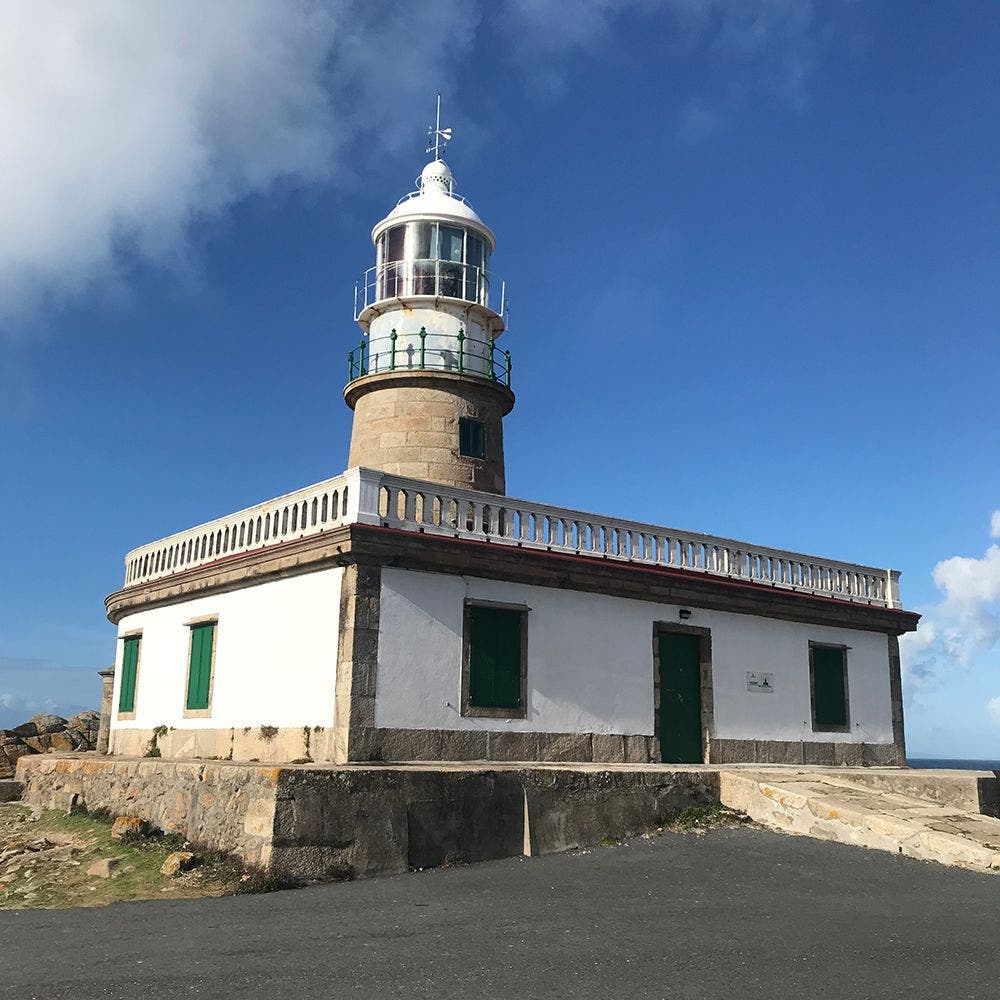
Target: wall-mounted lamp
(684, 614)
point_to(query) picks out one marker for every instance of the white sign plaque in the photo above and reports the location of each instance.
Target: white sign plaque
(760, 682)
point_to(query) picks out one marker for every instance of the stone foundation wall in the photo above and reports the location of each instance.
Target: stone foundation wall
(807, 752)
(215, 805)
(400, 745)
(253, 744)
(313, 822)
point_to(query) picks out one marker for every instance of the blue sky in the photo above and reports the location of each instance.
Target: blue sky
(752, 250)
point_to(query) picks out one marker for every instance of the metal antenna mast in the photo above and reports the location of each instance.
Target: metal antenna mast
(440, 137)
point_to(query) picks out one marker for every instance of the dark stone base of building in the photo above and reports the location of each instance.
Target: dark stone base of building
(314, 822)
(808, 752)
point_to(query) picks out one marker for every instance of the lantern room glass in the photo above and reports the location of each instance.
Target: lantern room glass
(432, 258)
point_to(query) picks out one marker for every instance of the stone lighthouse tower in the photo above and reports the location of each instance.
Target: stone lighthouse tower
(428, 383)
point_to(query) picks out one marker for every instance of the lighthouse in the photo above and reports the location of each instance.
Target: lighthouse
(408, 609)
(428, 382)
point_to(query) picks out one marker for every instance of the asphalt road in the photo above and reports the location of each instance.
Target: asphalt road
(734, 913)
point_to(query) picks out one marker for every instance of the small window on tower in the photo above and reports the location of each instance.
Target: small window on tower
(471, 438)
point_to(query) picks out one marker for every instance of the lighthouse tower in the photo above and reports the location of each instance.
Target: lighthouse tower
(429, 383)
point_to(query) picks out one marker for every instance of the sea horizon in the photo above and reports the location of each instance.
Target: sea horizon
(956, 763)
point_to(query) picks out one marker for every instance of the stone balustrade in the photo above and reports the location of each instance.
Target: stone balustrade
(308, 511)
(366, 496)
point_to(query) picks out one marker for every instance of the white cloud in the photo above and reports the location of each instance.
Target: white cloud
(125, 123)
(993, 709)
(995, 524)
(15, 710)
(965, 623)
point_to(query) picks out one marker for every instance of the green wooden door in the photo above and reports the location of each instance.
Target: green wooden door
(680, 699)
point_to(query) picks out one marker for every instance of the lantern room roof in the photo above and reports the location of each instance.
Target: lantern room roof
(435, 198)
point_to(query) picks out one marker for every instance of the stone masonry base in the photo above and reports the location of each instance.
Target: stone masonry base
(251, 744)
(330, 822)
(807, 752)
(271, 745)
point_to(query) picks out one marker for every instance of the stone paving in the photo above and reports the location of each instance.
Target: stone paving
(840, 805)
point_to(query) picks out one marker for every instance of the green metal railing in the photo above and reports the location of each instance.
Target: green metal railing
(430, 352)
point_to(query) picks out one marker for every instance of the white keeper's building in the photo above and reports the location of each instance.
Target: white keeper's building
(408, 609)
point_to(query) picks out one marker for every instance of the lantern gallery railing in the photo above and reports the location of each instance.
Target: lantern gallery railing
(439, 278)
(365, 496)
(423, 351)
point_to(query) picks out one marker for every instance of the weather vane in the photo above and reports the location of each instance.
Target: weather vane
(440, 137)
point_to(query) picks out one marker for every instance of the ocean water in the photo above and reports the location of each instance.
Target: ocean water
(955, 764)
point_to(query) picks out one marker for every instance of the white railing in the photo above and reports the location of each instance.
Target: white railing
(437, 278)
(306, 512)
(367, 496)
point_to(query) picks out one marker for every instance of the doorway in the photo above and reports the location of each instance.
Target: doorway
(681, 714)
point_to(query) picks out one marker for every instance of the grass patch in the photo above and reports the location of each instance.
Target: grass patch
(704, 818)
(51, 855)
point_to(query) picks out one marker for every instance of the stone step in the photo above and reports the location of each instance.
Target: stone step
(10, 790)
(832, 807)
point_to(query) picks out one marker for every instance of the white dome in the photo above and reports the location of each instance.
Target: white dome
(436, 176)
(435, 199)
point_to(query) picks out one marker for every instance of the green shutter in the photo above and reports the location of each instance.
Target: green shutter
(494, 658)
(829, 686)
(471, 438)
(130, 663)
(200, 668)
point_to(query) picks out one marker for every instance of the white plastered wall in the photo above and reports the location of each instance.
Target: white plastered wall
(590, 663)
(275, 656)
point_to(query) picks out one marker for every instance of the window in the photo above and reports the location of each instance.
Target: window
(828, 684)
(130, 669)
(199, 684)
(495, 661)
(394, 243)
(471, 438)
(451, 244)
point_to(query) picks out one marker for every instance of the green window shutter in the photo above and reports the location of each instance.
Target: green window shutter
(471, 438)
(829, 686)
(494, 658)
(130, 663)
(200, 668)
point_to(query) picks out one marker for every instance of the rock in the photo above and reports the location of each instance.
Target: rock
(103, 867)
(10, 791)
(61, 839)
(26, 729)
(177, 862)
(39, 744)
(70, 739)
(88, 719)
(53, 854)
(46, 723)
(128, 826)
